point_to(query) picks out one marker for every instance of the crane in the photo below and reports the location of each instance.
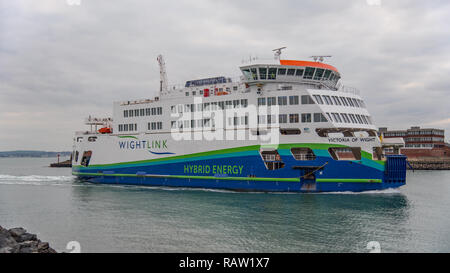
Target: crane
(162, 74)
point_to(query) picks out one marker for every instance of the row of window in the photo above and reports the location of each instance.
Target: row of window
(209, 106)
(142, 112)
(216, 90)
(199, 123)
(283, 100)
(271, 73)
(336, 100)
(349, 118)
(128, 127)
(293, 118)
(157, 125)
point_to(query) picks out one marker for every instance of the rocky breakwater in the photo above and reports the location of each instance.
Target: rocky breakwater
(17, 240)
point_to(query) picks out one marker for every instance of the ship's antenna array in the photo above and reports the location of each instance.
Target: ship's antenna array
(277, 52)
(320, 58)
(162, 74)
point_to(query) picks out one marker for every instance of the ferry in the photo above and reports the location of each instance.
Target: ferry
(282, 126)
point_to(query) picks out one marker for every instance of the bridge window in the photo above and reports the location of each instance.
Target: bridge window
(254, 73)
(332, 77)
(262, 73)
(291, 72)
(272, 73)
(319, 74)
(327, 74)
(303, 154)
(309, 72)
(282, 71)
(247, 74)
(299, 72)
(345, 153)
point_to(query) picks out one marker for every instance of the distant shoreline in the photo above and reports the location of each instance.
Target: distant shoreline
(33, 154)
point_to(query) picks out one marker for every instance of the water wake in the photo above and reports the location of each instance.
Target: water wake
(33, 179)
(385, 191)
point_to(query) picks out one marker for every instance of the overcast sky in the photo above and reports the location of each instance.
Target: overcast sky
(60, 63)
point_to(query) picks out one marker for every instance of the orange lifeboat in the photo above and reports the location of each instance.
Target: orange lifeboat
(105, 130)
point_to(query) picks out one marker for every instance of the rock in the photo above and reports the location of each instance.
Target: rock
(17, 240)
(26, 237)
(17, 232)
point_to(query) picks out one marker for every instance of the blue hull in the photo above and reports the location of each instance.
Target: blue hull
(248, 173)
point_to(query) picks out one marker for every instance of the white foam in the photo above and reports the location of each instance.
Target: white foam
(32, 179)
(385, 191)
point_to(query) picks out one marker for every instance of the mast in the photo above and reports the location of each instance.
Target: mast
(277, 52)
(162, 74)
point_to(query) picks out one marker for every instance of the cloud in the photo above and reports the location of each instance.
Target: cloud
(60, 63)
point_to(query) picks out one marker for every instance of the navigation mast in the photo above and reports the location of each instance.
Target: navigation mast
(162, 74)
(277, 52)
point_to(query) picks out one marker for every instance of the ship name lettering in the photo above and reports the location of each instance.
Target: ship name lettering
(214, 169)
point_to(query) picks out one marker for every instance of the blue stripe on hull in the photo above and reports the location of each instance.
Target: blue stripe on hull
(252, 166)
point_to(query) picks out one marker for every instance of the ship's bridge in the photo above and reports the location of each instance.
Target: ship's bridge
(292, 71)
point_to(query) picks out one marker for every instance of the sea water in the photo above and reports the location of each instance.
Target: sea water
(112, 218)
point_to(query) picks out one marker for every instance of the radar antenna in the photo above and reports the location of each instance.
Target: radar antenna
(320, 58)
(277, 52)
(162, 74)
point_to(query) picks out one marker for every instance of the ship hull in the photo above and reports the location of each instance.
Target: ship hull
(243, 169)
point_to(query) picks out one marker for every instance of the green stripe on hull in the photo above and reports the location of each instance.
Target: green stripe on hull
(320, 147)
(268, 179)
(347, 180)
(194, 177)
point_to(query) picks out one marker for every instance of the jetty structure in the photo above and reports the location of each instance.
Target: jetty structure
(282, 125)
